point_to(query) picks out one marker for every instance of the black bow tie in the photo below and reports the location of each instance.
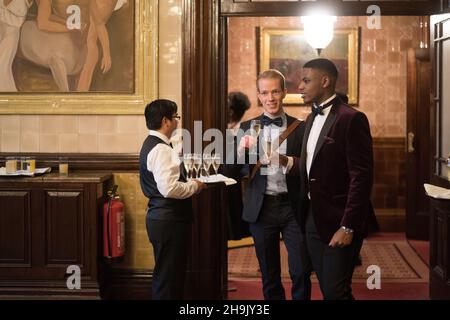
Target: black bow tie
(315, 109)
(266, 121)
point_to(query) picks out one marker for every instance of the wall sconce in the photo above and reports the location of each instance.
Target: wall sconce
(319, 30)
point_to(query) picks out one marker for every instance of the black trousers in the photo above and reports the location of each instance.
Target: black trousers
(333, 266)
(170, 241)
(277, 217)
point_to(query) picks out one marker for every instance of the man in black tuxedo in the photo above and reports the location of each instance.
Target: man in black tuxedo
(336, 172)
(271, 197)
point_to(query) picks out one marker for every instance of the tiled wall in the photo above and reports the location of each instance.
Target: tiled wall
(382, 83)
(139, 252)
(72, 133)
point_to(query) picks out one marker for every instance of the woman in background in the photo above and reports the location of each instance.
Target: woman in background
(238, 103)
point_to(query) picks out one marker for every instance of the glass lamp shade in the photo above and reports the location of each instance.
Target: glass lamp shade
(318, 30)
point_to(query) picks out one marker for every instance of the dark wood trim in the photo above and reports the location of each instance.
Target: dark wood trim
(127, 284)
(203, 100)
(339, 8)
(391, 220)
(83, 161)
(418, 160)
(445, 6)
(389, 142)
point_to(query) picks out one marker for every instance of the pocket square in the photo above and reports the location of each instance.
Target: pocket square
(329, 140)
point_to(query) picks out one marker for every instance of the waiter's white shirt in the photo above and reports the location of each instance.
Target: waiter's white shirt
(164, 163)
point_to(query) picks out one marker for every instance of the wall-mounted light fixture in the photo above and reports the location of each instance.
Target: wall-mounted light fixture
(319, 29)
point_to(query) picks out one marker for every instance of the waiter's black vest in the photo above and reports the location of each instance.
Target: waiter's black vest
(160, 208)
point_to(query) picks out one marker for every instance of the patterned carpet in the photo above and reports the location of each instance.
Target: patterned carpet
(397, 260)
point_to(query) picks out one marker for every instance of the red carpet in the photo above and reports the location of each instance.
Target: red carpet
(252, 290)
(400, 286)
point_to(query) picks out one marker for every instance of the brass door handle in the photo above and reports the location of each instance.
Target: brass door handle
(411, 142)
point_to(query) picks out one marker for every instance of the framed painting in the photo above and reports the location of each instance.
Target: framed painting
(287, 51)
(107, 65)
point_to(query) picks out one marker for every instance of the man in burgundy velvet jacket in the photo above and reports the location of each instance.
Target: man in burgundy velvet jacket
(336, 170)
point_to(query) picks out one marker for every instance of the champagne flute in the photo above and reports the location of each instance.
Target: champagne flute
(255, 128)
(207, 162)
(197, 162)
(267, 145)
(216, 162)
(188, 159)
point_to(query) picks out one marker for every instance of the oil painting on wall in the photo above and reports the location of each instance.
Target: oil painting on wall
(287, 51)
(50, 57)
(43, 55)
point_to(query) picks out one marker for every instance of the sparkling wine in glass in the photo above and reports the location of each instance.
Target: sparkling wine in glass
(255, 126)
(197, 163)
(207, 162)
(267, 145)
(188, 164)
(216, 162)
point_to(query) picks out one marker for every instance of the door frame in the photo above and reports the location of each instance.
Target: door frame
(204, 90)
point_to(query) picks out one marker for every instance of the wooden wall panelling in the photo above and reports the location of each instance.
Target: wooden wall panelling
(337, 7)
(47, 224)
(15, 229)
(206, 276)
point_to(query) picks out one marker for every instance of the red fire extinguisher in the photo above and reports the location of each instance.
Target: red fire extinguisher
(113, 226)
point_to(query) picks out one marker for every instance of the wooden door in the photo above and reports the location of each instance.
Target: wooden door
(440, 149)
(418, 146)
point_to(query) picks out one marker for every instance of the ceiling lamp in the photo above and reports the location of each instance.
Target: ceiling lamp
(319, 30)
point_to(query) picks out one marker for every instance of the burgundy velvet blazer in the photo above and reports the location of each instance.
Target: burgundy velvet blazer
(341, 175)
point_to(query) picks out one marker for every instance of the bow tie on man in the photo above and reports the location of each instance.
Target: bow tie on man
(266, 121)
(315, 109)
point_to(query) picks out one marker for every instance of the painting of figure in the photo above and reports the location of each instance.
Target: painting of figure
(45, 55)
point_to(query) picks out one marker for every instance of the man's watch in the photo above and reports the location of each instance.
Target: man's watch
(347, 230)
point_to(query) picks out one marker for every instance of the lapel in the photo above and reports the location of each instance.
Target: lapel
(309, 122)
(325, 129)
(263, 182)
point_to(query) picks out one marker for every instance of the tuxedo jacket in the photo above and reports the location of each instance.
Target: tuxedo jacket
(254, 192)
(341, 174)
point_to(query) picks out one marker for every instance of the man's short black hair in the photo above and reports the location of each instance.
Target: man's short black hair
(324, 65)
(156, 110)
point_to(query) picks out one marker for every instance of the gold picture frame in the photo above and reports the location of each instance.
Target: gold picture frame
(287, 50)
(145, 86)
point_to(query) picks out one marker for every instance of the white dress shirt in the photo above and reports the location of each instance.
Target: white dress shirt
(314, 134)
(164, 163)
(276, 175)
